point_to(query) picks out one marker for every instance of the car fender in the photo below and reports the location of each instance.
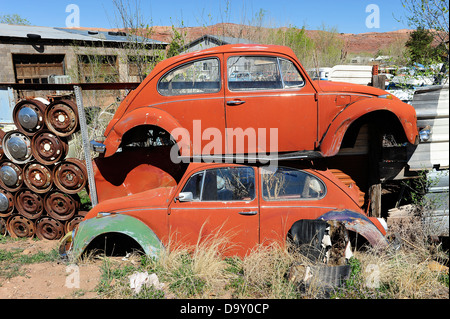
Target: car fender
(141, 116)
(360, 224)
(405, 113)
(103, 223)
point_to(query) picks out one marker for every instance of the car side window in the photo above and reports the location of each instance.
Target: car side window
(290, 74)
(290, 184)
(223, 184)
(248, 73)
(194, 185)
(202, 76)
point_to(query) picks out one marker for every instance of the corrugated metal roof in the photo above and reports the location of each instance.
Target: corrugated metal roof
(110, 36)
(50, 33)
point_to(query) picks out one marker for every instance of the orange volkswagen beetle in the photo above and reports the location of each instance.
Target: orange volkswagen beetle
(241, 91)
(249, 203)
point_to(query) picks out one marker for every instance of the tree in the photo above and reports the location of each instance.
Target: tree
(432, 15)
(176, 44)
(429, 14)
(297, 40)
(141, 53)
(419, 46)
(330, 48)
(14, 19)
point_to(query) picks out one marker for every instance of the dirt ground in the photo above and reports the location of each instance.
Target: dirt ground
(49, 280)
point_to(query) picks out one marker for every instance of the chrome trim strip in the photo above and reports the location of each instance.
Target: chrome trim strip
(138, 209)
(215, 208)
(186, 100)
(271, 95)
(345, 93)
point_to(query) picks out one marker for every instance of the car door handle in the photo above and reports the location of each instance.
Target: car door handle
(250, 212)
(235, 102)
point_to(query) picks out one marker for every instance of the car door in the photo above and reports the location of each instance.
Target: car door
(221, 202)
(269, 103)
(287, 195)
(193, 94)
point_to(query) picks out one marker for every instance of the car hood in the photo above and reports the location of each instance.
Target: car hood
(343, 87)
(154, 198)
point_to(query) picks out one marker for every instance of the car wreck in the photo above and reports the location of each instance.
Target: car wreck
(252, 205)
(312, 118)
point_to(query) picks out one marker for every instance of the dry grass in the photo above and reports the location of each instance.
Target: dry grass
(203, 271)
(413, 268)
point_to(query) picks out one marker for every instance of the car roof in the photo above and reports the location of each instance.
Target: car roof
(229, 48)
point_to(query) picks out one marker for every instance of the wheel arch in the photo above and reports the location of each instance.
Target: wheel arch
(370, 228)
(144, 117)
(386, 122)
(393, 116)
(117, 227)
(353, 221)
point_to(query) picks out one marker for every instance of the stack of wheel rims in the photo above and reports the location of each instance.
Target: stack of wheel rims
(39, 185)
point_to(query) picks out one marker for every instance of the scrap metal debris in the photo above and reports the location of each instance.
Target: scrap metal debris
(326, 245)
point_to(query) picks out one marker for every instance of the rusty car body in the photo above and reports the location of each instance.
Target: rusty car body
(312, 118)
(248, 205)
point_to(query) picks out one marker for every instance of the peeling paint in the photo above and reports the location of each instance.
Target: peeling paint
(89, 229)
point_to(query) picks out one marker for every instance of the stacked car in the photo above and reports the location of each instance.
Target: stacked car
(39, 184)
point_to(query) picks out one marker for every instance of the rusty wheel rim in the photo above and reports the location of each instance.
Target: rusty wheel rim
(60, 206)
(48, 148)
(70, 176)
(11, 176)
(20, 227)
(71, 224)
(17, 147)
(38, 177)
(61, 117)
(29, 204)
(6, 203)
(49, 228)
(28, 116)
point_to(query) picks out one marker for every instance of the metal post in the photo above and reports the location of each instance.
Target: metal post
(86, 146)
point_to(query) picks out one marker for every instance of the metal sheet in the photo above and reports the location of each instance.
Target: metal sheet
(431, 104)
(436, 200)
(21, 31)
(6, 105)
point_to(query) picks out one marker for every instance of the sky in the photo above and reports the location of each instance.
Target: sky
(345, 16)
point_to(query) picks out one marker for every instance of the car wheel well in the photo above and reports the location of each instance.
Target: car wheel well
(384, 123)
(113, 244)
(146, 136)
(305, 235)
